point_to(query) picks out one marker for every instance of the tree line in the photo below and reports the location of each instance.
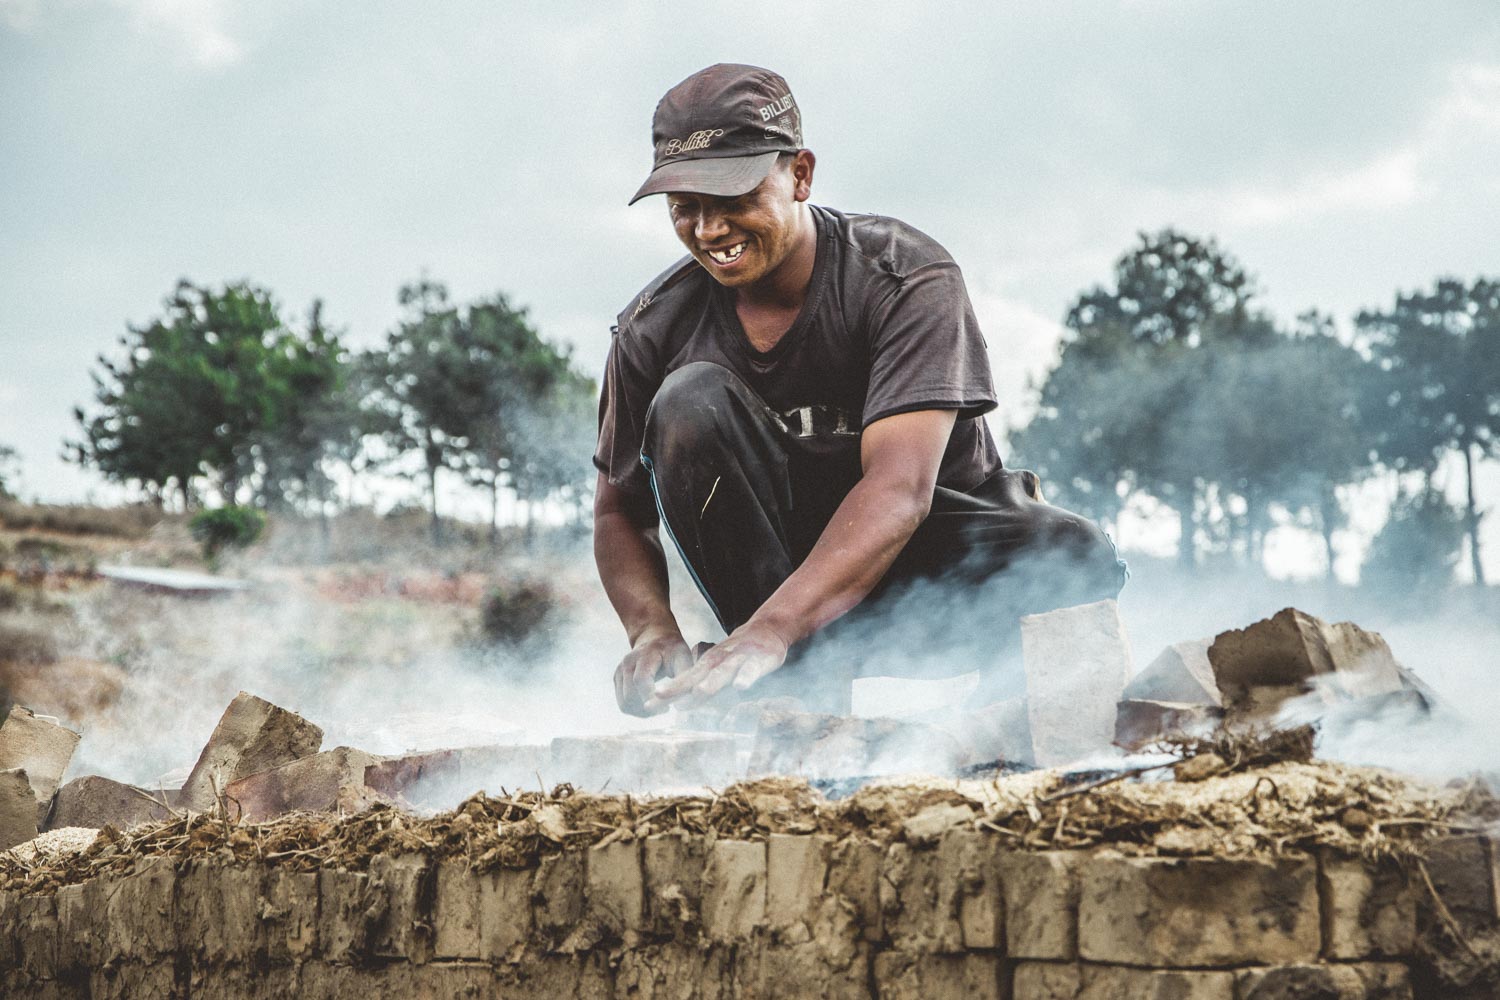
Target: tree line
(1173, 385)
(222, 398)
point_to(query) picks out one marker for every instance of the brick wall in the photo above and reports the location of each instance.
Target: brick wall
(685, 916)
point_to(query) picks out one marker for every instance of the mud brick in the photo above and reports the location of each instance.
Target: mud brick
(557, 896)
(1052, 981)
(1368, 912)
(505, 918)
(94, 801)
(139, 911)
(1187, 912)
(972, 859)
(1370, 981)
(219, 907)
(675, 970)
(41, 748)
(673, 866)
(585, 976)
(332, 781)
(796, 872)
(410, 776)
(854, 874)
(134, 981)
(18, 808)
(734, 890)
(943, 899)
(616, 889)
(975, 976)
(400, 893)
(328, 981)
(1463, 874)
(290, 919)
(1138, 723)
(455, 911)
(1259, 667)
(1182, 673)
(929, 825)
(1041, 903)
(35, 930)
(833, 969)
(80, 925)
(8, 902)
(342, 900)
(1077, 663)
(253, 735)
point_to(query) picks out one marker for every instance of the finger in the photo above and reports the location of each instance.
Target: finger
(754, 669)
(679, 659)
(714, 681)
(685, 681)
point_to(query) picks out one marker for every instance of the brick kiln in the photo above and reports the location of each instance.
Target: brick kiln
(1230, 866)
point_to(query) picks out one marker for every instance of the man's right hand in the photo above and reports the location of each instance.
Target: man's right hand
(656, 652)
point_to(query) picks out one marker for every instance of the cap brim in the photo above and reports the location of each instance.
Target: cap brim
(724, 176)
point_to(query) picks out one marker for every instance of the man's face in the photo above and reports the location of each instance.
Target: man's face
(741, 240)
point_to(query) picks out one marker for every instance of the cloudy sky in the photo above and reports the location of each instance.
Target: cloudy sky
(1341, 150)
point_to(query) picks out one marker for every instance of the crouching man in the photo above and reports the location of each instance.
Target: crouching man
(798, 404)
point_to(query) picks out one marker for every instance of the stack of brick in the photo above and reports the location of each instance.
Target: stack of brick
(945, 910)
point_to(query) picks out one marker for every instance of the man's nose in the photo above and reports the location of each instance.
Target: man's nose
(711, 225)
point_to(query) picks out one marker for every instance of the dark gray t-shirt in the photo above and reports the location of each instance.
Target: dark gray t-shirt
(887, 328)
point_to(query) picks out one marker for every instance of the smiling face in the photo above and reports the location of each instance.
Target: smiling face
(745, 240)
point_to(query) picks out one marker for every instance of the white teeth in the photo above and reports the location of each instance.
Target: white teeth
(728, 256)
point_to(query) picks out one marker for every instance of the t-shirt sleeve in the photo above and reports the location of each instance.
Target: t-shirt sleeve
(926, 351)
(623, 402)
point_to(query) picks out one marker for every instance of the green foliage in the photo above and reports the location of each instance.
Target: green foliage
(9, 460)
(223, 528)
(1416, 551)
(1440, 351)
(1172, 386)
(477, 391)
(217, 389)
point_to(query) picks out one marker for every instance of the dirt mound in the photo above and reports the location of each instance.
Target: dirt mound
(1288, 806)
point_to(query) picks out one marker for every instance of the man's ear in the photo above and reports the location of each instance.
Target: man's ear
(802, 174)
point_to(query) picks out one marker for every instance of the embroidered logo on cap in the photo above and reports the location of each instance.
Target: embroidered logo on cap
(698, 140)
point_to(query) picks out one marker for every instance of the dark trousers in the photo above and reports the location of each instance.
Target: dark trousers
(745, 498)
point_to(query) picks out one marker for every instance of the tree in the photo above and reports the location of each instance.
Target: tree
(1415, 553)
(1116, 412)
(318, 420)
(9, 460)
(194, 390)
(1440, 351)
(419, 385)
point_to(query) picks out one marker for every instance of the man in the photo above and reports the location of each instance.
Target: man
(800, 401)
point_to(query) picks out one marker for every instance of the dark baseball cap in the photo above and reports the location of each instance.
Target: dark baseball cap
(719, 131)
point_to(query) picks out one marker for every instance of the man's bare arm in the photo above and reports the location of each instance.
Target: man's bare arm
(633, 569)
(900, 456)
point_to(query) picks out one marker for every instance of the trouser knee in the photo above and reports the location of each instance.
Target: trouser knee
(688, 412)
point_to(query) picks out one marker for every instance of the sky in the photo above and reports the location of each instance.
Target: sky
(1341, 151)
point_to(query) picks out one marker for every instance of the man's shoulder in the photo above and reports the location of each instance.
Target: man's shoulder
(668, 292)
(884, 243)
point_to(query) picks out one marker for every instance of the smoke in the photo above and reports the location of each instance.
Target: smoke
(386, 673)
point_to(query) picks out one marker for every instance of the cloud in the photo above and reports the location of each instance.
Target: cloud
(1467, 110)
(195, 24)
(21, 15)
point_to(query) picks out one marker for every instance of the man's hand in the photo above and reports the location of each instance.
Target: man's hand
(655, 652)
(749, 653)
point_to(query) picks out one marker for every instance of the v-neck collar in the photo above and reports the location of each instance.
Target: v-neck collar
(729, 320)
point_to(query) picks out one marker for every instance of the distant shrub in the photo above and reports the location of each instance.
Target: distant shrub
(10, 596)
(129, 521)
(1418, 548)
(21, 644)
(510, 614)
(227, 528)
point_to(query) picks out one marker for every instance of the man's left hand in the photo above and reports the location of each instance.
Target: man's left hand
(749, 653)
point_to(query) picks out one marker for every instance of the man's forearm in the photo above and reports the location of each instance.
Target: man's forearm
(860, 542)
(633, 569)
